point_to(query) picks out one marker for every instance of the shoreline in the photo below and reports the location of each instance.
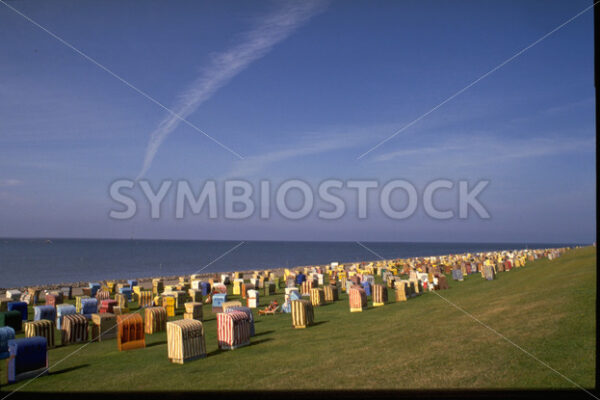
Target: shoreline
(174, 279)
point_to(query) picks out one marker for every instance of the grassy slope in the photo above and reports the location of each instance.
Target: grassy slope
(547, 308)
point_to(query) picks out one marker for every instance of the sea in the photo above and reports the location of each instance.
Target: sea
(26, 262)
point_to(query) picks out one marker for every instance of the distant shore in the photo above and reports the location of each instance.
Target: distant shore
(27, 263)
(146, 282)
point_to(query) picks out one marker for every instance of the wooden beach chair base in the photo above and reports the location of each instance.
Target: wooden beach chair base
(237, 346)
(184, 360)
(30, 374)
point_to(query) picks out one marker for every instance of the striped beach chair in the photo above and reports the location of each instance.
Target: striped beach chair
(307, 285)
(302, 314)
(317, 297)
(233, 330)
(330, 293)
(357, 299)
(130, 332)
(248, 312)
(74, 329)
(102, 295)
(155, 320)
(43, 328)
(144, 298)
(380, 295)
(185, 341)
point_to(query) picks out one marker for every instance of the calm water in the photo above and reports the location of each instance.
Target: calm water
(30, 262)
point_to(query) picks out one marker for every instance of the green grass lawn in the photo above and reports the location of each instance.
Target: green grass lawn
(546, 308)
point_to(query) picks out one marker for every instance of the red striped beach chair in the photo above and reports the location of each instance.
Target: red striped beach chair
(233, 330)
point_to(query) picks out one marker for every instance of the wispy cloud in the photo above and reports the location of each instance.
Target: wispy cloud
(557, 110)
(252, 46)
(251, 165)
(10, 182)
(417, 151)
(327, 139)
(479, 148)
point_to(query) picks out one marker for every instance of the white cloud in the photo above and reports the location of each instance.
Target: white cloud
(476, 149)
(327, 140)
(251, 165)
(253, 45)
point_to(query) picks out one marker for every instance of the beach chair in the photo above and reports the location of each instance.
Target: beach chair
(89, 306)
(286, 307)
(12, 319)
(317, 297)
(130, 333)
(155, 320)
(357, 299)
(302, 313)
(20, 306)
(253, 298)
(233, 303)
(6, 333)
(246, 311)
(380, 295)
(74, 329)
(233, 330)
(193, 310)
(217, 302)
(28, 358)
(94, 287)
(185, 341)
(104, 326)
(61, 311)
(330, 293)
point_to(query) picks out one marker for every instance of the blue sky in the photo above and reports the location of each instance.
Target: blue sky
(300, 90)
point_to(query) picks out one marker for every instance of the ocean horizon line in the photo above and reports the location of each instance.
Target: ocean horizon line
(146, 239)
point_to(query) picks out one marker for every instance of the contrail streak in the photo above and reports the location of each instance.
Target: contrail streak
(253, 45)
